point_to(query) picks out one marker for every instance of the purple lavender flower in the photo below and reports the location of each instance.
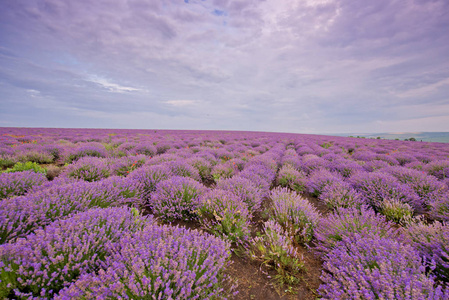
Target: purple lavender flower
(19, 183)
(344, 167)
(296, 215)
(183, 168)
(150, 176)
(438, 168)
(432, 242)
(260, 170)
(22, 215)
(145, 148)
(159, 262)
(311, 163)
(94, 149)
(177, 198)
(396, 211)
(245, 189)
(425, 186)
(223, 170)
(319, 179)
(88, 168)
(403, 158)
(372, 267)
(377, 186)
(202, 165)
(125, 165)
(45, 262)
(374, 165)
(439, 206)
(275, 249)
(37, 156)
(341, 194)
(225, 214)
(350, 222)
(290, 177)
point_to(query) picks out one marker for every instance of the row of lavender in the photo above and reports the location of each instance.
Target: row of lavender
(341, 173)
(33, 209)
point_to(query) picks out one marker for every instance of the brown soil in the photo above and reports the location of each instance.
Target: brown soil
(251, 280)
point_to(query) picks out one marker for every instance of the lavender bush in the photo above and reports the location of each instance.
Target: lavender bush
(159, 262)
(350, 222)
(396, 211)
(377, 186)
(125, 165)
(203, 166)
(275, 249)
(319, 179)
(149, 177)
(177, 198)
(147, 149)
(88, 168)
(245, 189)
(22, 215)
(222, 171)
(432, 242)
(439, 207)
(19, 183)
(341, 194)
(372, 267)
(43, 263)
(295, 214)
(225, 214)
(290, 177)
(184, 169)
(438, 168)
(86, 150)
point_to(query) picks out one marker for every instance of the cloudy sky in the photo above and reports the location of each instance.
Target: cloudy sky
(306, 66)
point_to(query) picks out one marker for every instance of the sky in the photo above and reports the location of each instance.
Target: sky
(304, 66)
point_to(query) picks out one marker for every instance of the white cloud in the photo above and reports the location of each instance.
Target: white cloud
(110, 86)
(181, 103)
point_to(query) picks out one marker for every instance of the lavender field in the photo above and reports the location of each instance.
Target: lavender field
(160, 214)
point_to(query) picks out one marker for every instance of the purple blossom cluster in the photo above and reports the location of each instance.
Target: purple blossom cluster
(19, 183)
(297, 216)
(225, 214)
(43, 263)
(319, 179)
(177, 198)
(341, 194)
(20, 216)
(125, 165)
(432, 242)
(158, 262)
(373, 267)
(377, 186)
(223, 170)
(149, 176)
(275, 249)
(245, 189)
(292, 178)
(95, 150)
(350, 223)
(88, 168)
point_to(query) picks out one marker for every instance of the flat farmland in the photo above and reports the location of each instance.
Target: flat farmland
(167, 214)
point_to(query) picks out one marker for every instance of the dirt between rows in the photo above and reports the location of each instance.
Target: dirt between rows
(253, 280)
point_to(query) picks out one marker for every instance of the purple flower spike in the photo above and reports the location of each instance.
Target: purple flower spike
(160, 262)
(19, 183)
(376, 268)
(43, 263)
(177, 198)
